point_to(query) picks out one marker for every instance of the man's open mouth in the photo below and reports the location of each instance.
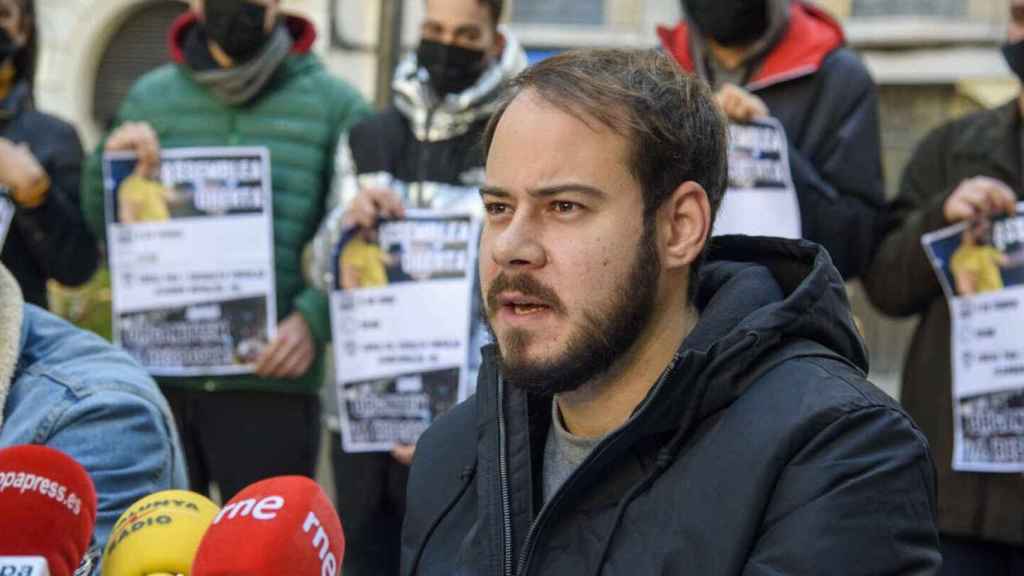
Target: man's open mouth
(522, 305)
(527, 309)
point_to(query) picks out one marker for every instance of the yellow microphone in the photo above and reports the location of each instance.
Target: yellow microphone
(158, 534)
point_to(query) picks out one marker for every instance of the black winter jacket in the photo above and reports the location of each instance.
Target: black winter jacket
(762, 450)
(51, 241)
(828, 105)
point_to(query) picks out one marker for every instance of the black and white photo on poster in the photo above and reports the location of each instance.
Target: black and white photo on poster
(760, 199)
(992, 428)
(401, 320)
(980, 266)
(225, 333)
(191, 255)
(397, 410)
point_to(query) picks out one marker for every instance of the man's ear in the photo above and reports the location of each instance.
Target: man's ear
(499, 45)
(684, 225)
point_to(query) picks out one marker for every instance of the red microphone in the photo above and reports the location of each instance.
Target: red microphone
(283, 525)
(47, 507)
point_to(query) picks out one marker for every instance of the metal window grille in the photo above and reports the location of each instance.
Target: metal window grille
(136, 47)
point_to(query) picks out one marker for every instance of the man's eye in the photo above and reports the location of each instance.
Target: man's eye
(565, 206)
(496, 208)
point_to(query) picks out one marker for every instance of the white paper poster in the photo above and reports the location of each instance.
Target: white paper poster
(401, 322)
(191, 258)
(760, 199)
(980, 266)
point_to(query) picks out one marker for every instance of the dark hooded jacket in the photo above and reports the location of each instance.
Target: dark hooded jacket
(901, 282)
(828, 105)
(51, 240)
(761, 450)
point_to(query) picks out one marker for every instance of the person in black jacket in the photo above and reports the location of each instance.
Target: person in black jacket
(966, 171)
(787, 59)
(40, 164)
(422, 151)
(642, 413)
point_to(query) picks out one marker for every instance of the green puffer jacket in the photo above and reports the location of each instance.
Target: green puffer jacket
(298, 117)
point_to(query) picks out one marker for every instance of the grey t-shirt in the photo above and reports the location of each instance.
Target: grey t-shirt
(563, 453)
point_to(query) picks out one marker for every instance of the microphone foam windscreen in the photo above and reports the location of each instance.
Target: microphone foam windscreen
(283, 525)
(158, 534)
(47, 507)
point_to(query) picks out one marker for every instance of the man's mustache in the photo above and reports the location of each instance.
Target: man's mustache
(527, 286)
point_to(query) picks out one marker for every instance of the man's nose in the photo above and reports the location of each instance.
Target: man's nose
(518, 246)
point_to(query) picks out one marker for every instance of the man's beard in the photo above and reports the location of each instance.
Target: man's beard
(593, 347)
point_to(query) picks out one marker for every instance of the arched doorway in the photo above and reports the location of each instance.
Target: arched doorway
(138, 46)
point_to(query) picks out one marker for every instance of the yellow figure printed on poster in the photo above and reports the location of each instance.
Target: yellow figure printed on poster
(976, 264)
(363, 263)
(140, 199)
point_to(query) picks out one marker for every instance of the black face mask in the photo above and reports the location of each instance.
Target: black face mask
(729, 22)
(1014, 55)
(7, 46)
(452, 69)
(236, 26)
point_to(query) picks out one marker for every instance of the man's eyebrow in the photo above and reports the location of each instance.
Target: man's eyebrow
(548, 191)
(494, 191)
(464, 29)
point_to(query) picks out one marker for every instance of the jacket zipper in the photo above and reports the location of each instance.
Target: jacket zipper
(506, 505)
(421, 168)
(531, 542)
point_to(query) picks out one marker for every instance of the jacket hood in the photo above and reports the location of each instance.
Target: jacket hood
(302, 31)
(762, 301)
(432, 119)
(757, 298)
(811, 35)
(11, 312)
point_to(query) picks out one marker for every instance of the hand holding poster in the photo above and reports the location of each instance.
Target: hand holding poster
(401, 321)
(980, 266)
(760, 199)
(191, 256)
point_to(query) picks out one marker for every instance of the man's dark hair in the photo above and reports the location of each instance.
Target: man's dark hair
(25, 59)
(496, 7)
(675, 130)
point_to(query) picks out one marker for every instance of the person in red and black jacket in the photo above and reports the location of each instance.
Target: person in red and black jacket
(787, 59)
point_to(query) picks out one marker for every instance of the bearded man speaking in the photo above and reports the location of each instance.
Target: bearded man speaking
(653, 404)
